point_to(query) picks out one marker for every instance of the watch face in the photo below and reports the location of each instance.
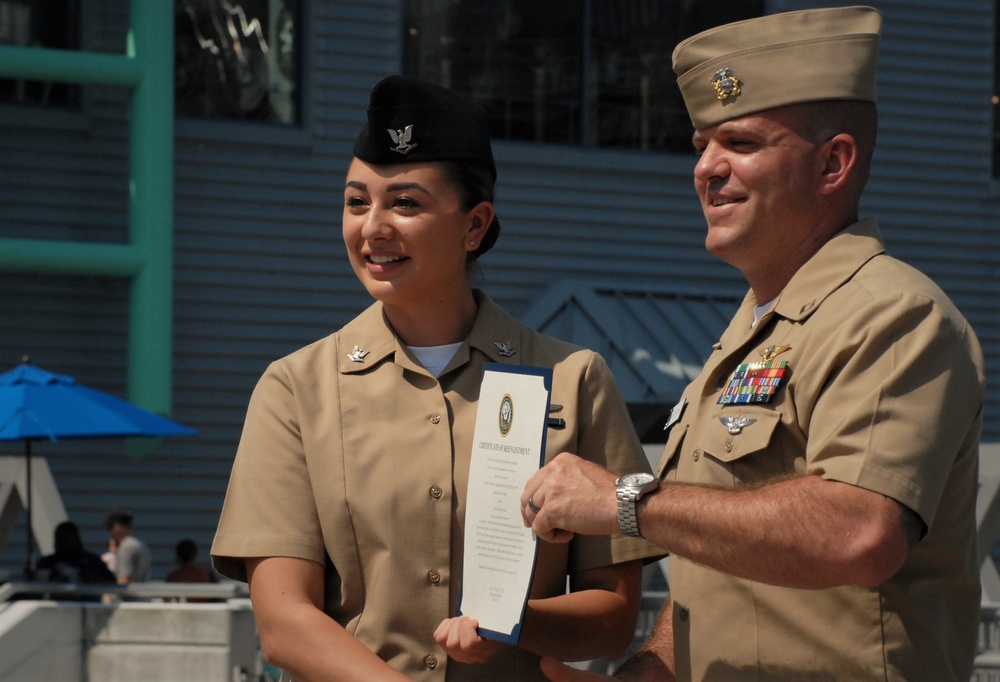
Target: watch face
(636, 480)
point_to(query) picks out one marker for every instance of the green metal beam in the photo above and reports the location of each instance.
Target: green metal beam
(51, 257)
(69, 66)
(151, 192)
(147, 68)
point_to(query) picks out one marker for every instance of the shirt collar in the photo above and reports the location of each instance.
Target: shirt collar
(368, 339)
(835, 263)
(371, 339)
(495, 333)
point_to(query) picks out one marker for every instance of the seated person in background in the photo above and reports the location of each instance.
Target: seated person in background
(188, 570)
(110, 557)
(133, 559)
(71, 562)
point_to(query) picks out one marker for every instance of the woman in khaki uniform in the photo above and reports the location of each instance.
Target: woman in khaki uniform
(345, 510)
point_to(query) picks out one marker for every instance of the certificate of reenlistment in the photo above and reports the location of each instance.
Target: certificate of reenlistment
(508, 448)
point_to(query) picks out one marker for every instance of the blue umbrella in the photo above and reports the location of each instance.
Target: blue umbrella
(36, 404)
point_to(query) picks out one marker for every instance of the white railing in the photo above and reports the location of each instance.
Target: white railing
(149, 591)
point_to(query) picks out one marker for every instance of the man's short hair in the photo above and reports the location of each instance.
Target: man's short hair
(122, 516)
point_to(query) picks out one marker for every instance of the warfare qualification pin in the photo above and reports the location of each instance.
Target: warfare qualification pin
(771, 351)
(735, 425)
(727, 84)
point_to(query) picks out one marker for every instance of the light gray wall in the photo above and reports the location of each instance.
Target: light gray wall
(259, 263)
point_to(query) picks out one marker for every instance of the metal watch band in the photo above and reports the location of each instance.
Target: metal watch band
(627, 521)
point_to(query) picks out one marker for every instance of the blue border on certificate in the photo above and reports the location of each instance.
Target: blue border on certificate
(546, 374)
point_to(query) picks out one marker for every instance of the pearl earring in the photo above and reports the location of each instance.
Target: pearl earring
(472, 242)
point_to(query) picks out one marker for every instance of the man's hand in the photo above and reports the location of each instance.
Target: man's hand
(570, 495)
(560, 672)
(459, 638)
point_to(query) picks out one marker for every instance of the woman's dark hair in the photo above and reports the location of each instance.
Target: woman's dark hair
(186, 551)
(67, 538)
(474, 183)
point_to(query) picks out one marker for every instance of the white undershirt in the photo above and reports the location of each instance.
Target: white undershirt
(758, 311)
(434, 358)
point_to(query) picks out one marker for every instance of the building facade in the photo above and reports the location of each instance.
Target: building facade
(601, 243)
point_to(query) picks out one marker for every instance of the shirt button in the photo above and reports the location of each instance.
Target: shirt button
(435, 418)
(434, 576)
(729, 446)
(431, 661)
(683, 614)
(696, 455)
(436, 492)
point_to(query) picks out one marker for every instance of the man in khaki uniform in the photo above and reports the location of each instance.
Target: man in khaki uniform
(817, 491)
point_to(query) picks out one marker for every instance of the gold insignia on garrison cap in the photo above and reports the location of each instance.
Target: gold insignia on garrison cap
(727, 84)
(781, 59)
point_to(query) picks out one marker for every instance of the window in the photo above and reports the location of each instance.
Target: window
(593, 72)
(40, 23)
(237, 60)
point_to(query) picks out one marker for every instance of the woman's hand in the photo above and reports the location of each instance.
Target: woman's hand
(459, 638)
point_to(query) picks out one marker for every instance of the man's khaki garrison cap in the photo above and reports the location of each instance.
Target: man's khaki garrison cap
(772, 61)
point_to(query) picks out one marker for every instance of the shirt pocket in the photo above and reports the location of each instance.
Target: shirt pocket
(738, 437)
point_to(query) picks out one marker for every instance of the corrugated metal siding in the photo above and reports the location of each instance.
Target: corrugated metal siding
(260, 269)
(64, 175)
(932, 189)
(259, 263)
(569, 212)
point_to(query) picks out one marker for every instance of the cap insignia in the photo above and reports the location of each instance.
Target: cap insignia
(401, 138)
(727, 84)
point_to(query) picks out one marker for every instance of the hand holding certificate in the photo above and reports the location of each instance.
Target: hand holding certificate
(509, 446)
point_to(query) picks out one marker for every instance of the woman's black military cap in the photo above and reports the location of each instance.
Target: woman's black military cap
(413, 121)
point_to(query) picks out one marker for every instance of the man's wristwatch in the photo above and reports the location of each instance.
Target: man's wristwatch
(630, 489)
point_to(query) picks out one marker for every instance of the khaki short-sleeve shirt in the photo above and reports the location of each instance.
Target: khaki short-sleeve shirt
(883, 389)
(354, 455)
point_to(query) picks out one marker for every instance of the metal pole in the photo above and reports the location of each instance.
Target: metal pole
(586, 91)
(151, 191)
(51, 256)
(72, 66)
(29, 567)
(147, 69)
